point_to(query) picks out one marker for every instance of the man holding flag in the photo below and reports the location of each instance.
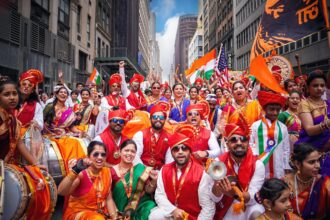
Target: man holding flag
(269, 137)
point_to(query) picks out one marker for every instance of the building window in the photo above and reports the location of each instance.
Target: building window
(64, 12)
(43, 3)
(315, 37)
(82, 61)
(98, 47)
(78, 19)
(88, 28)
(306, 41)
(107, 50)
(40, 11)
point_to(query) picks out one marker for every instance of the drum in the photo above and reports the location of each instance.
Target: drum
(34, 143)
(18, 194)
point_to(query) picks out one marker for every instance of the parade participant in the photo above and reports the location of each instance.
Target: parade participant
(290, 117)
(133, 185)
(43, 100)
(89, 186)
(241, 108)
(290, 85)
(112, 136)
(199, 83)
(181, 181)
(193, 95)
(30, 111)
(310, 192)
(275, 197)
(167, 95)
(314, 114)
(74, 97)
(250, 173)
(218, 93)
(152, 143)
(155, 97)
(269, 137)
(88, 112)
(114, 100)
(180, 104)
(205, 143)
(215, 113)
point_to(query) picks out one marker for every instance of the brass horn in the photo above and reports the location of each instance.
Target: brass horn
(217, 170)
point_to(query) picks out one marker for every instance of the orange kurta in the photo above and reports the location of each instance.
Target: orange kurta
(85, 206)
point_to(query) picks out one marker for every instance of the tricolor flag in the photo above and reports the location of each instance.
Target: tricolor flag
(221, 68)
(285, 21)
(95, 77)
(205, 63)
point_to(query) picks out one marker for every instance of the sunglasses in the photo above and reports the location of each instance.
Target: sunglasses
(115, 86)
(24, 84)
(234, 140)
(176, 149)
(97, 154)
(193, 114)
(155, 87)
(156, 117)
(118, 121)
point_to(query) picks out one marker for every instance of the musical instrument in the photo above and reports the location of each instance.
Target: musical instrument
(217, 170)
(19, 194)
(102, 122)
(281, 68)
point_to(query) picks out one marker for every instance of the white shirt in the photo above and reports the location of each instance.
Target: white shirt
(214, 148)
(39, 116)
(204, 197)
(282, 152)
(138, 139)
(105, 104)
(255, 185)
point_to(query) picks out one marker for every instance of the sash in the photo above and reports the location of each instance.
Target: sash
(137, 102)
(266, 155)
(312, 205)
(116, 101)
(26, 113)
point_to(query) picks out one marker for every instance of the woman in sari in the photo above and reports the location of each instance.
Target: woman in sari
(180, 104)
(290, 117)
(193, 95)
(89, 186)
(155, 95)
(59, 128)
(310, 191)
(241, 109)
(133, 185)
(314, 114)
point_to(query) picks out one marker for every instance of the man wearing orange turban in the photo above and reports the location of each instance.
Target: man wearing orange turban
(205, 143)
(152, 143)
(249, 172)
(183, 185)
(269, 137)
(112, 136)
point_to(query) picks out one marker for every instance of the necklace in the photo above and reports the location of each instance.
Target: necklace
(269, 218)
(127, 186)
(318, 102)
(304, 182)
(296, 192)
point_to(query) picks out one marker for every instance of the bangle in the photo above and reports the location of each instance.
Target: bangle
(72, 175)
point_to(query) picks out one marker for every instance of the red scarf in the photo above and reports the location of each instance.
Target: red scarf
(114, 100)
(244, 176)
(26, 113)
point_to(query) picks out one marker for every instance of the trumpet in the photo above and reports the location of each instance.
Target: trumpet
(217, 170)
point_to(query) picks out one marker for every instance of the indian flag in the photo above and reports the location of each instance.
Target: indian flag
(95, 77)
(205, 64)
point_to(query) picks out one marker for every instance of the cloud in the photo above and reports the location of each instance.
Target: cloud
(165, 8)
(166, 40)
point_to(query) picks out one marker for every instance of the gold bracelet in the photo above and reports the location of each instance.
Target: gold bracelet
(72, 175)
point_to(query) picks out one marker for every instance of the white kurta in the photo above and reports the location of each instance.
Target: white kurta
(252, 207)
(214, 148)
(138, 139)
(165, 208)
(38, 116)
(281, 154)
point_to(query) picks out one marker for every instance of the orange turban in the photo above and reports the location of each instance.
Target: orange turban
(126, 115)
(232, 129)
(115, 78)
(137, 78)
(178, 138)
(266, 98)
(202, 107)
(160, 107)
(199, 80)
(33, 75)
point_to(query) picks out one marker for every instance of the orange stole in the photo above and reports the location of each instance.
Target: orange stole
(40, 204)
(85, 207)
(189, 190)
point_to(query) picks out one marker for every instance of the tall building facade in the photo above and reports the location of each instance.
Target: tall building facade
(186, 29)
(144, 35)
(103, 28)
(206, 25)
(154, 47)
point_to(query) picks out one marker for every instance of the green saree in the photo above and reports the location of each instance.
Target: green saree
(140, 201)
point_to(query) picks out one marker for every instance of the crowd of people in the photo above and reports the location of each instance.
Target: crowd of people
(183, 152)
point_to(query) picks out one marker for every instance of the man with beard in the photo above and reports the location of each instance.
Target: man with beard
(249, 173)
(205, 143)
(112, 137)
(183, 185)
(270, 137)
(134, 96)
(152, 143)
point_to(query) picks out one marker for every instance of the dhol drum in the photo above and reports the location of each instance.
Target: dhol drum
(19, 196)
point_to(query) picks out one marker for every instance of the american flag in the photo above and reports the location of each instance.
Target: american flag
(221, 68)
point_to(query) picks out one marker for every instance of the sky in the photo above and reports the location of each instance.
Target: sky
(167, 17)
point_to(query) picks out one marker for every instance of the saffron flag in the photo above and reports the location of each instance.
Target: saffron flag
(205, 63)
(259, 69)
(95, 77)
(285, 21)
(221, 68)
